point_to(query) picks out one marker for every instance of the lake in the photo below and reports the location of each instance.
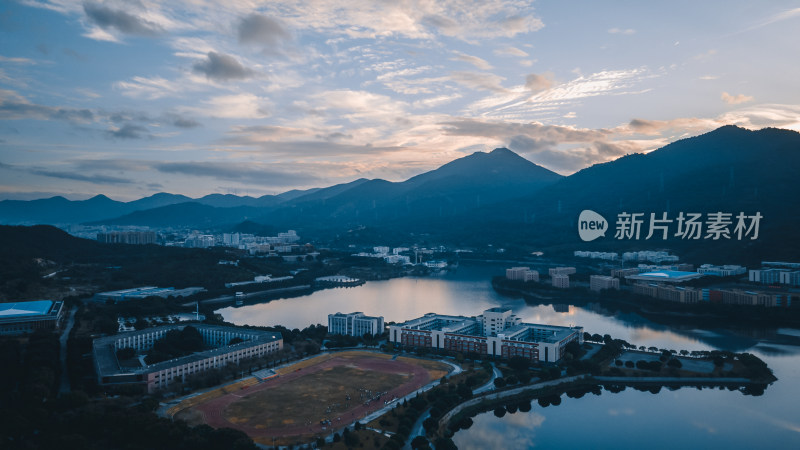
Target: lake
(685, 418)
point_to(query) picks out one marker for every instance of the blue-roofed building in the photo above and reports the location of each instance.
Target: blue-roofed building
(665, 276)
(144, 292)
(18, 318)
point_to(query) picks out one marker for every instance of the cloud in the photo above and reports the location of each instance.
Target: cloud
(180, 121)
(781, 16)
(128, 131)
(222, 67)
(480, 81)
(16, 60)
(14, 107)
(149, 88)
(536, 82)
(94, 179)
(474, 60)
(109, 18)
(510, 51)
(254, 173)
(505, 130)
(237, 106)
(592, 85)
(262, 30)
(525, 143)
(75, 55)
(735, 99)
(627, 31)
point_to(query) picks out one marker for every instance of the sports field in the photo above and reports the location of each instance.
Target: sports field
(314, 396)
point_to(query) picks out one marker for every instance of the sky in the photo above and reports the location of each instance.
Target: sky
(130, 98)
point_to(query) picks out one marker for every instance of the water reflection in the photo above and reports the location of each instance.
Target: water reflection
(631, 419)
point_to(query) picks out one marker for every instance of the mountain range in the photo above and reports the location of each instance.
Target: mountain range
(499, 196)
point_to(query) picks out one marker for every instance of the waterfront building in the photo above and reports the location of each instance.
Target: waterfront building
(622, 273)
(18, 318)
(522, 274)
(721, 271)
(665, 276)
(560, 281)
(355, 324)
(600, 282)
(775, 276)
(160, 375)
(670, 293)
(756, 298)
(497, 332)
(144, 292)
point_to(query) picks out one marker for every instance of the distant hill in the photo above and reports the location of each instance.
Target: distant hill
(730, 169)
(187, 215)
(504, 199)
(454, 188)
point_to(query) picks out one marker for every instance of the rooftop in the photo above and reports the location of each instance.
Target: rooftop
(670, 276)
(24, 309)
(106, 359)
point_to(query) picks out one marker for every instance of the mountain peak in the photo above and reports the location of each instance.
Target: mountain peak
(502, 151)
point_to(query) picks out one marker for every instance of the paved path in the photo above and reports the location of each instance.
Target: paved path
(417, 429)
(490, 384)
(65, 386)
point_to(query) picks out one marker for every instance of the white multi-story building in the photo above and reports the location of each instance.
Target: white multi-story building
(600, 282)
(560, 281)
(355, 324)
(721, 271)
(522, 274)
(496, 332)
(775, 276)
(231, 239)
(791, 278)
(253, 344)
(561, 271)
(608, 256)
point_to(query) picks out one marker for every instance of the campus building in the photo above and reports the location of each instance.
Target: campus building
(600, 282)
(522, 274)
(721, 271)
(665, 276)
(26, 317)
(354, 324)
(561, 271)
(497, 332)
(144, 292)
(671, 293)
(756, 298)
(560, 281)
(775, 276)
(160, 375)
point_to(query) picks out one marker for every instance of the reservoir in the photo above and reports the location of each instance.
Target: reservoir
(683, 418)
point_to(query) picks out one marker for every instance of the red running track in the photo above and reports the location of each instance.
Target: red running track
(212, 410)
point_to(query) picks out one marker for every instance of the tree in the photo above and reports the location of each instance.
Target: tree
(520, 363)
(420, 442)
(675, 363)
(499, 382)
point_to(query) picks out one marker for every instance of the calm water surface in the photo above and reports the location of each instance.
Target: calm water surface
(686, 418)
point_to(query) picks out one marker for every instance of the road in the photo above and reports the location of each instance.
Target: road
(490, 384)
(65, 387)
